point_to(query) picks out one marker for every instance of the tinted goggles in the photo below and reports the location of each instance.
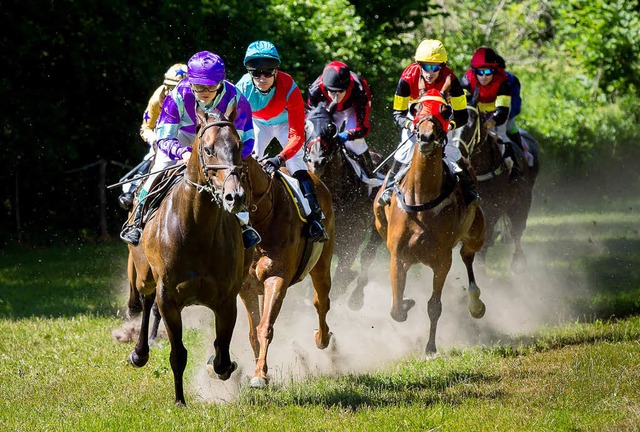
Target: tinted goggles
(484, 72)
(267, 73)
(200, 88)
(430, 67)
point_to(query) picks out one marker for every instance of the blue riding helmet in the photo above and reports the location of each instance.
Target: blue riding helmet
(261, 55)
(205, 68)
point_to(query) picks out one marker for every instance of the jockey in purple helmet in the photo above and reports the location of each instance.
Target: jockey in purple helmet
(205, 86)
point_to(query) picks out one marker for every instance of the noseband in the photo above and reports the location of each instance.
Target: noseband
(209, 186)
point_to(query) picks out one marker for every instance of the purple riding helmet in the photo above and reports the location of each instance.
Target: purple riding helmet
(205, 68)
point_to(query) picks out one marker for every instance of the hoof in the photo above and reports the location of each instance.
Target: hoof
(320, 343)
(477, 311)
(136, 360)
(223, 376)
(401, 315)
(258, 383)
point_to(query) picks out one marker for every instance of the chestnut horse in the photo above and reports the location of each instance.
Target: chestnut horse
(327, 159)
(191, 250)
(426, 219)
(500, 198)
(283, 257)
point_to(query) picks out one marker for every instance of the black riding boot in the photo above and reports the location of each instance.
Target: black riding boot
(509, 152)
(385, 196)
(250, 236)
(469, 190)
(314, 224)
(132, 233)
(126, 198)
(366, 163)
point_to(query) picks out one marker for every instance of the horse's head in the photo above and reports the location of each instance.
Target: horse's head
(321, 138)
(219, 157)
(471, 136)
(429, 123)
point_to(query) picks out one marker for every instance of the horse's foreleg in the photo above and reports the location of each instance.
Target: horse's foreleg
(398, 273)
(225, 321)
(156, 322)
(434, 305)
(178, 355)
(274, 292)
(321, 277)
(140, 355)
(356, 301)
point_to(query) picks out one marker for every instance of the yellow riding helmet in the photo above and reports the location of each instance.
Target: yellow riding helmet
(431, 51)
(175, 74)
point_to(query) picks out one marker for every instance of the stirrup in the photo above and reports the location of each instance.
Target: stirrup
(250, 237)
(131, 235)
(385, 197)
(316, 232)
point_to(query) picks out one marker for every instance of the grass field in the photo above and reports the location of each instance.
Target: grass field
(559, 348)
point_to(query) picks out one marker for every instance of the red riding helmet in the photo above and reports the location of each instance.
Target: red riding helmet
(485, 58)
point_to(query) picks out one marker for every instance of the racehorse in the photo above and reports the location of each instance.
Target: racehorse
(283, 257)
(191, 250)
(427, 218)
(499, 197)
(327, 158)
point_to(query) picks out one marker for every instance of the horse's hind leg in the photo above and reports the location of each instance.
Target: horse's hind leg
(134, 306)
(225, 321)
(156, 322)
(140, 355)
(518, 225)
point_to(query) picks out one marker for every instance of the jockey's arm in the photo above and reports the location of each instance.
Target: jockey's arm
(295, 108)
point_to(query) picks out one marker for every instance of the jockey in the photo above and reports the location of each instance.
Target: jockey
(205, 86)
(278, 112)
(488, 82)
(171, 78)
(353, 97)
(429, 71)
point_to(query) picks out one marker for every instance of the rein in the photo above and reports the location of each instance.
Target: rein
(475, 140)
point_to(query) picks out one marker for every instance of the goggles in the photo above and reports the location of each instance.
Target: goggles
(484, 72)
(267, 73)
(430, 67)
(201, 88)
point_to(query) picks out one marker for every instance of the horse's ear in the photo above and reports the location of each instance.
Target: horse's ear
(475, 96)
(231, 110)
(202, 116)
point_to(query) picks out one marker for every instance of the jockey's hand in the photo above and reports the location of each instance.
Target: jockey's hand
(489, 124)
(185, 157)
(342, 137)
(273, 164)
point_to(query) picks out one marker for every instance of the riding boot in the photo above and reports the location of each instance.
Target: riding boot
(316, 231)
(469, 189)
(366, 163)
(126, 198)
(509, 152)
(385, 196)
(250, 236)
(132, 233)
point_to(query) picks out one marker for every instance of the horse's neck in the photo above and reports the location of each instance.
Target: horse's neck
(424, 179)
(486, 155)
(260, 185)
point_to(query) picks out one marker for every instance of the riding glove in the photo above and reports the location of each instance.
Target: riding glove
(273, 164)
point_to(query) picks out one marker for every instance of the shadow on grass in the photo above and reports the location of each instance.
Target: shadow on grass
(61, 281)
(354, 392)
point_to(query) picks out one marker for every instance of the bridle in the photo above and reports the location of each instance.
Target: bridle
(209, 186)
(428, 144)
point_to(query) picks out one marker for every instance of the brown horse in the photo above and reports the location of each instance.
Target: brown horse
(426, 219)
(499, 197)
(327, 159)
(283, 257)
(191, 250)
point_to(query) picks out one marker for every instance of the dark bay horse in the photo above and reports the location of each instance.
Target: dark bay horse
(191, 250)
(426, 219)
(283, 257)
(327, 159)
(500, 198)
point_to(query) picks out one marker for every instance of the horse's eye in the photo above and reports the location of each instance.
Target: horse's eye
(208, 151)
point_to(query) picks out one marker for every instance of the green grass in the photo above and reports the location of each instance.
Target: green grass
(61, 370)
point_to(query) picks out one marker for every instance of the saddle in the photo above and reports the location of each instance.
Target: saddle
(293, 188)
(160, 188)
